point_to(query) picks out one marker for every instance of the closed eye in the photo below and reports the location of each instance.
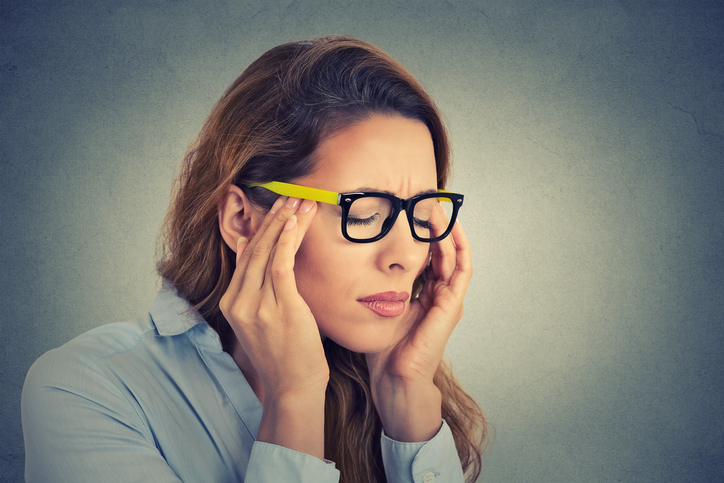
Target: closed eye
(424, 224)
(363, 221)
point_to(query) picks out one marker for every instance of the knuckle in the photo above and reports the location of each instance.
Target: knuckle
(261, 249)
(240, 316)
(265, 313)
(224, 305)
(279, 270)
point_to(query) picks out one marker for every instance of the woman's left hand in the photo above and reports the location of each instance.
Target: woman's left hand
(401, 376)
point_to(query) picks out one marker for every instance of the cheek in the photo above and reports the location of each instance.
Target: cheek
(323, 265)
(310, 264)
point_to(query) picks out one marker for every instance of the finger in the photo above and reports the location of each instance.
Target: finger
(303, 219)
(306, 211)
(426, 294)
(241, 245)
(442, 251)
(463, 272)
(233, 289)
(266, 222)
(291, 225)
(259, 251)
(242, 256)
(281, 266)
(305, 215)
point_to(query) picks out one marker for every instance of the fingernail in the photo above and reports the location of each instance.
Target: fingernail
(277, 204)
(290, 223)
(242, 239)
(306, 206)
(292, 202)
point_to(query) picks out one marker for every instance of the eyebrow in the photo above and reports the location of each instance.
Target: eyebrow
(367, 189)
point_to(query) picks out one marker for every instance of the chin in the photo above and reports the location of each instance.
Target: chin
(363, 340)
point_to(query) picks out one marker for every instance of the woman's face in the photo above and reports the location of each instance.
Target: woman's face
(341, 280)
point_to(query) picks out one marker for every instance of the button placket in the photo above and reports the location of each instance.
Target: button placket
(428, 477)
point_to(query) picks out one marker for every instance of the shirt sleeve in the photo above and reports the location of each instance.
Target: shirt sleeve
(434, 461)
(270, 463)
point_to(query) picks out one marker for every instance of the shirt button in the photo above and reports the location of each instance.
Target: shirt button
(428, 477)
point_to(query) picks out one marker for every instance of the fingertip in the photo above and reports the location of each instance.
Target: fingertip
(306, 206)
(277, 205)
(291, 223)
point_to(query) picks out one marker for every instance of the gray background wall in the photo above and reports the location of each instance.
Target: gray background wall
(588, 138)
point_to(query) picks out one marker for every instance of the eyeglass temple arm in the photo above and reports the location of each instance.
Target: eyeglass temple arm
(303, 192)
(307, 193)
(444, 199)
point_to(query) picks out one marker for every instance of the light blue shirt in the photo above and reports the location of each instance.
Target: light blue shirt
(157, 399)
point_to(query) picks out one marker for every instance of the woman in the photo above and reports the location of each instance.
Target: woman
(311, 282)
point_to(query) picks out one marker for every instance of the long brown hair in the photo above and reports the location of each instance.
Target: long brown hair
(266, 127)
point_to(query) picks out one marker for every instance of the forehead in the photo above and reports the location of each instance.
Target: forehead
(389, 153)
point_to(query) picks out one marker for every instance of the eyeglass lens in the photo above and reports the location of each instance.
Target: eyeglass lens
(369, 216)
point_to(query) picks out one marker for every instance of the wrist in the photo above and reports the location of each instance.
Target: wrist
(409, 413)
(294, 420)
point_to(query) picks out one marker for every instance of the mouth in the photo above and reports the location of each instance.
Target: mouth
(386, 304)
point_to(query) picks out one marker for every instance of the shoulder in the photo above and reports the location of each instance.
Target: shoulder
(129, 358)
(82, 355)
(83, 368)
(120, 370)
(82, 384)
(120, 362)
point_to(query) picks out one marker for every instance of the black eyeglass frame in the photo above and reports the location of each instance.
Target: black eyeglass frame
(399, 205)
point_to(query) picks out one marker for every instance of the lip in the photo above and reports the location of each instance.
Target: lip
(386, 304)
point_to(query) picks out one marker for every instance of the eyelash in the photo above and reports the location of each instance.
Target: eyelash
(425, 225)
(362, 221)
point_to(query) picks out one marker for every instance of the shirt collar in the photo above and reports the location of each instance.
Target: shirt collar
(172, 314)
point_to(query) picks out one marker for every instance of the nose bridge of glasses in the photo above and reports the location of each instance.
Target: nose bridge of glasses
(400, 206)
(395, 208)
(397, 223)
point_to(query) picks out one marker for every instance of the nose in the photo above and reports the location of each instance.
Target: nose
(399, 251)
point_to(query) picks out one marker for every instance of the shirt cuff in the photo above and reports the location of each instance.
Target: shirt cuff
(273, 463)
(427, 462)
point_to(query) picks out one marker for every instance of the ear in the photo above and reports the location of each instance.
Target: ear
(237, 217)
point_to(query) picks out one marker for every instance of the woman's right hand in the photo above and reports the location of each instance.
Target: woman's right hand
(277, 331)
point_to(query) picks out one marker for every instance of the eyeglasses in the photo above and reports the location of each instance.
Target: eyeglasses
(367, 217)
